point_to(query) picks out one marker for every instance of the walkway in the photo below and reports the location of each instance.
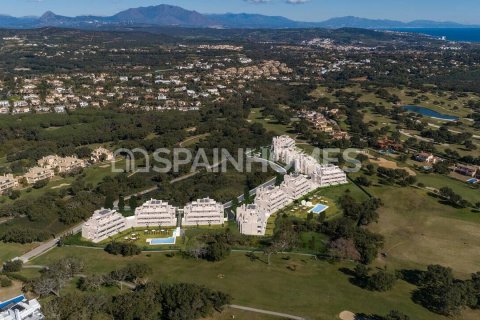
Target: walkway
(271, 313)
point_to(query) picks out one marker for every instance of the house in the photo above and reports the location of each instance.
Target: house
(388, 144)
(467, 170)
(101, 154)
(36, 174)
(156, 213)
(426, 157)
(7, 183)
(103, 224)
(203, 212)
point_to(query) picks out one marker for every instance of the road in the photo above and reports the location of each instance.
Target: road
(271, 313)
(47, 246)
(452, 131)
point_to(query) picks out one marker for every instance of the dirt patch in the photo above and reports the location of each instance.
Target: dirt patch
(382, 162)
(11, 292)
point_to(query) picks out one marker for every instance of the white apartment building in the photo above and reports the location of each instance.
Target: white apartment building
(328, 175)
(281, 145)
(203, 212)
(7, 182)
(156, 213)
(103, 224)
(24, 310)
(101, 154)
(36, 174)
(250, 221)
(271, 199)
(297, 186)
(323, 175)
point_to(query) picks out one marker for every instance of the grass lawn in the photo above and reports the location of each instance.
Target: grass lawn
(12, 250)
(270, 125)
(438, 181)
(419, 230)
(317, 289)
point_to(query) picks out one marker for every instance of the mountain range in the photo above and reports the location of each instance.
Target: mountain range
(168, 15)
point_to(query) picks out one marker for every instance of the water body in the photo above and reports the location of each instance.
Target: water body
(451, 34)
(430, 113)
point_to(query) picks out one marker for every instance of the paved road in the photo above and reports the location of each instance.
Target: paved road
(47, 246)
(271, 313)
(452, 131)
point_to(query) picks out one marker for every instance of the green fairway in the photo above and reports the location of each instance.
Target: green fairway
(317, 289)
(269, 125)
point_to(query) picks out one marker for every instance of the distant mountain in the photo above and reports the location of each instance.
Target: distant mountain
(168, 15)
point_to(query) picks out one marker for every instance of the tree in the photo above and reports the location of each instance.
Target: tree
(344, 249)
(121, 203)
(109, 200)
(13, 266)
(133, 203)
(217, 251)
(381, 281)
(282, 241)
(279, 179)
(396, 315)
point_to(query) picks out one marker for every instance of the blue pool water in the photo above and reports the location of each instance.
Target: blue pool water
(319, 208)
(472, 181)
(430, 113)
(11, 301)
(161, 241)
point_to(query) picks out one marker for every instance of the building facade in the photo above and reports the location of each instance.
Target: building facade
(103, 224)
(297, 186)
(250, 221)
(203, 212)
(7, 183)
(271, 199)
(36, 174)
(156, 213)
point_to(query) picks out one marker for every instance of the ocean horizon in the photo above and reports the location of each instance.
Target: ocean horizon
(451, 34)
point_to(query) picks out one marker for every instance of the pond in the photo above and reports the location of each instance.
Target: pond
(430, 113)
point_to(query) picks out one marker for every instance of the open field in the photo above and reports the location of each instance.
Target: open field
(11, 292)
(12, 250)
(269, 125)
(317, 289)
(419, 230)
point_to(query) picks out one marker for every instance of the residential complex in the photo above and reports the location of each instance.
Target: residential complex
(106, 223)
(103, 224)
(61, 164)
(156, 213)
(36, 174)
(101, 154)
(284, 150)
(310, 175)
(7, 183)
(203, 212)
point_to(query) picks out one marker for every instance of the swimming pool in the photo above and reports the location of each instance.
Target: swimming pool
(319, 208)
(161, 241)
(472, 181)
(11, 301)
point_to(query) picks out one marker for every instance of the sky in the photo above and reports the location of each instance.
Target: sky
(463, 11)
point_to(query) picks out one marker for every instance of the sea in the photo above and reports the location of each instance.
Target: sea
(451, 34)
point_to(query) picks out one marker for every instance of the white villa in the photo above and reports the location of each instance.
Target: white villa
(101, 154)
(7, 182)
(250, 222)
(103, 224)
(24, 310)
(156, 213)
(36, 174)
(203, 212)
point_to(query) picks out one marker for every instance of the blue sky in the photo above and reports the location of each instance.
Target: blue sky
(465, 11)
